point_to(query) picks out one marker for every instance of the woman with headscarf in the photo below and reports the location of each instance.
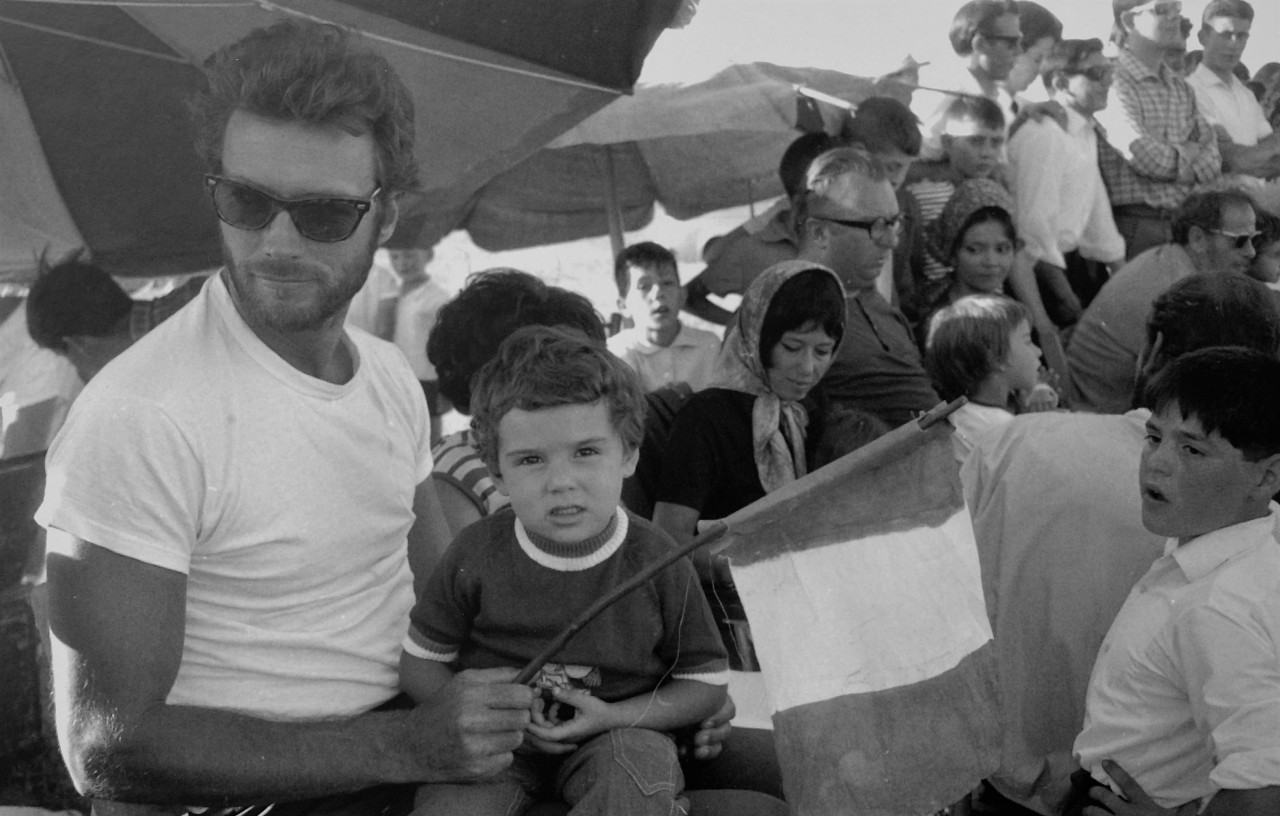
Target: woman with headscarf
(749, 433)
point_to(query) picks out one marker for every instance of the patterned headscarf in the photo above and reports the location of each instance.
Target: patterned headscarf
(779, 455)
(971, 196)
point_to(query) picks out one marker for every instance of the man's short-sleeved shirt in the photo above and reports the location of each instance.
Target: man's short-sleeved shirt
(1231, 105)
(285, 501)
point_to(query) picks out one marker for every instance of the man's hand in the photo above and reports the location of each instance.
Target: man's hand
(469, 729)
(1135, 802)
(708, 740)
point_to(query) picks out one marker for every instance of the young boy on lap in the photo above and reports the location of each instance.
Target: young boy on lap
(558, 420)
(1183, 705)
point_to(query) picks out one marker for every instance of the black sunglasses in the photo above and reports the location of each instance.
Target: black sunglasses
(1007, 41)
(1238, 240)
(319, 219)
(1098, 73)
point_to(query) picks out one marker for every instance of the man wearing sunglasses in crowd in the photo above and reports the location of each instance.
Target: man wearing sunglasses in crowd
(1248, 145)
(987, 38)
(1158, 146)
(1063, 213)
(848, 220)
(237, 501)
(1213, 232)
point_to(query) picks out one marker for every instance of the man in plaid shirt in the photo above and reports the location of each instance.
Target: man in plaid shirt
(1158, 145)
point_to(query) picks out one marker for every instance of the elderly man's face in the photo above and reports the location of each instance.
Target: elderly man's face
(855, 253)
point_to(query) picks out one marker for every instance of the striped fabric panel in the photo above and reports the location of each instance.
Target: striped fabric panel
(420, 646)
(458, 462)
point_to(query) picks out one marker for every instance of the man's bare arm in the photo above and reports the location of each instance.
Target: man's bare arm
(118, 627)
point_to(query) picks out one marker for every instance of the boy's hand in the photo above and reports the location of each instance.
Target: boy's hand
(706, 739)
(591, 716)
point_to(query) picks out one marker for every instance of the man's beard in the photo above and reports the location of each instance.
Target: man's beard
(309, 314)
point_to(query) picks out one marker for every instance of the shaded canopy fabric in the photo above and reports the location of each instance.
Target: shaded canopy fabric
(97, 148)
(693, 148)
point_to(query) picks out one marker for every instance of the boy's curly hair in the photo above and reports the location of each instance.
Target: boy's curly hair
(546, 367)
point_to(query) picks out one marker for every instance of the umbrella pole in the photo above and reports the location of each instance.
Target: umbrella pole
(611, 202)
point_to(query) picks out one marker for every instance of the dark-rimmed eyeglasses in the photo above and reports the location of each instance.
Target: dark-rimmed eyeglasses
(1160, 8)
(878, 228)
(1014, 43)
(327, 220)
(1098, 73)
(1239, 240)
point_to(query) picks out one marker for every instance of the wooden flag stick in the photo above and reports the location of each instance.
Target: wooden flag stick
(870, 455)
(712, 533)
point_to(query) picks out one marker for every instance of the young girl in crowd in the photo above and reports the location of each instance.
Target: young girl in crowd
(980, 348)
(975, 233)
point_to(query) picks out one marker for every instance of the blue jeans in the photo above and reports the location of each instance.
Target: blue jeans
(627, 771)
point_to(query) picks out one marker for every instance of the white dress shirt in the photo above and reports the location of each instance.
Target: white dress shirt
(1062, 204)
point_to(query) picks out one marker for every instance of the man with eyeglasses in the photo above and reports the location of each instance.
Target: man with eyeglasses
(1063, 214)
(235, 501)
(987, 38)
(1245, 138)
(848, 221)
(1213, 233)
(1158, 146)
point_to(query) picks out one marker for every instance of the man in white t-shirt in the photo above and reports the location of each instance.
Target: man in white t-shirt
(1245, 139)
(235, 502)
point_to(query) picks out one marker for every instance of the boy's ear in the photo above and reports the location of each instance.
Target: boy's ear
(629, 464)
(1268, 483)
(499, 483)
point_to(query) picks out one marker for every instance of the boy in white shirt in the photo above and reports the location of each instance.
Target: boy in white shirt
(660, 348)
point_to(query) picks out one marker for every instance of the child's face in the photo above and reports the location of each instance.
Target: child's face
(798, 360)
(1023, 362)
(984, 258)
(1192, 483)
(976, 155)
(655, 297)
(563, 468)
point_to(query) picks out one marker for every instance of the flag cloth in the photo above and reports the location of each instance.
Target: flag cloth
(864, 595)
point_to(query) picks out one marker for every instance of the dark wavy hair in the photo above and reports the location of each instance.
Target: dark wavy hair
(492, 305)
(311, 72)
(1230, 390)
(547, 367)
(73, 297)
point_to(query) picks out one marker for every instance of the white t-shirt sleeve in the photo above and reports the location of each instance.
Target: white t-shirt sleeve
(122, 475)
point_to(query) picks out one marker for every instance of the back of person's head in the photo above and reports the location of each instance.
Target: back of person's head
(1036, 23)
(1238, 9)
(309, 72)
(972, 110)
(1212, 310)
(812, 296)
(73, 298)
(969, 340)
(881, 123)
(547, 367)
(1067, 57)
(844, 430)
(974, 18)
(1204, 210)
(798, 156)
(823, 183)
(645, 255)
(492, 305)
(1231, 391)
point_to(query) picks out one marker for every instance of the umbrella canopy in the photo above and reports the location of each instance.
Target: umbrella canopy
(96, 148)
(693, 148)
